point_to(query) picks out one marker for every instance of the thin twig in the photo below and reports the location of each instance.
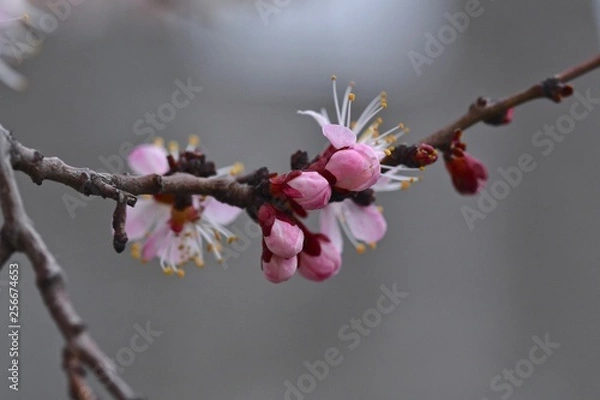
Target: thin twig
(479, 112)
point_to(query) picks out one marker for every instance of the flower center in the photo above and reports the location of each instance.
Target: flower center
(180, 217)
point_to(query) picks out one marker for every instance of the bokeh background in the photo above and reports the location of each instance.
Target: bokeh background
(476, 297)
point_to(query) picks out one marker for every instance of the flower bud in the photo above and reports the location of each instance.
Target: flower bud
(355, 168)
(281, 234)
(279, 269)
(309, 189)
(469, 175)
(323, 265)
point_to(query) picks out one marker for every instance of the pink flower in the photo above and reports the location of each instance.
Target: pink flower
(281, 234)
(307, 188)
(361, 224)
(278, 269)
(174, 232)
(365, 132)
(321, 264)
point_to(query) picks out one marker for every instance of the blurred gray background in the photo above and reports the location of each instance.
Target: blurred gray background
(476, 297)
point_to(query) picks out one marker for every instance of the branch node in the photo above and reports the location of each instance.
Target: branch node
(554, 89)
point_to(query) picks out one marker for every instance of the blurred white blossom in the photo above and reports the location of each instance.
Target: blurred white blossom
(19, 39)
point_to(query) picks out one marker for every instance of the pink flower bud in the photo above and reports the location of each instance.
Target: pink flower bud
(325, 264)
(309, 189)
(355, 168)
(282, 236)
(279, 269)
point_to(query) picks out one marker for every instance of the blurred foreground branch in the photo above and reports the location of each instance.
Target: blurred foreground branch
(19, 235)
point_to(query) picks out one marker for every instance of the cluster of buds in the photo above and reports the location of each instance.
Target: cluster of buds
(340, 183)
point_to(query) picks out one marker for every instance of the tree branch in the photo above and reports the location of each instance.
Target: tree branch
(89, 182)
(482, 109)
(18, 234)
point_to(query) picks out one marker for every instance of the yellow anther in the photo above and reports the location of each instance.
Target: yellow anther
(173, 147)
(168, 271)
(232, 239)
(383, 104)
(194, 141)
(380, 209)
(220, 261)
(361, 248)
(405, 185)
(160, 142)
(406, 130)
(26, 18)
(333, 77)
(199, 262)
(180, 273)
(373, 245)
(351, 97)
(217, 235)
(379, 121)
(136, 251)
(236, 169)
(387, 152)
(422, 168)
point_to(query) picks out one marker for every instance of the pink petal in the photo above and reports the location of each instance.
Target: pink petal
(279, 269)
(219, 213)
(155, 242)
(148, 159)
(339, 135)
(365, 222)
(330, 227)
(143, 216)
(320, 118)
(285, 240)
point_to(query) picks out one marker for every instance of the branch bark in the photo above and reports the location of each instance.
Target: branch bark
(479, 111)
(19, 234)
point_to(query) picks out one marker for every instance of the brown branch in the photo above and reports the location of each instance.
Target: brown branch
(18, 234)
(89, 182)
(482, 110)
(78, 386)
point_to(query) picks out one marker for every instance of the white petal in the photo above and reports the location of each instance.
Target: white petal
(365, 222)
(329, 226)
(219, 213)
(320, 118)
(339, 135)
